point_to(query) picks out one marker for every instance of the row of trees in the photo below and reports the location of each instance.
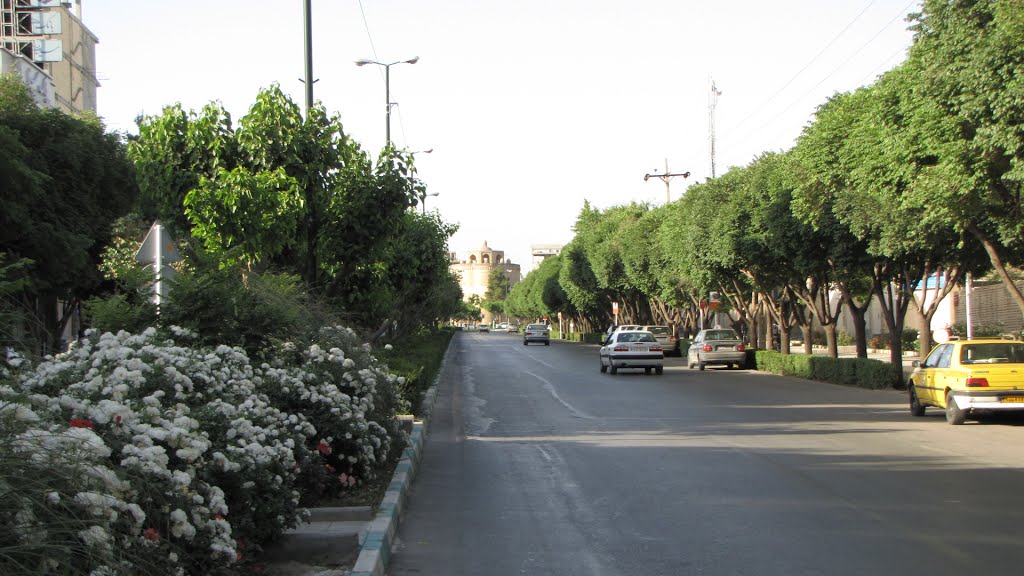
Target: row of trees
(915, 177)
(278, 195)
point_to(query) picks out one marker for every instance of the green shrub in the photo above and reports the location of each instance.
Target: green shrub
(120, 312)
(861, 372)
(844, 338)
(909, 340)
(417, 358)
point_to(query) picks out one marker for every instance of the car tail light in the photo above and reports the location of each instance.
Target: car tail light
(621, 349)
(707, 348)
(977, 383)
(655, 348)
(740, 347)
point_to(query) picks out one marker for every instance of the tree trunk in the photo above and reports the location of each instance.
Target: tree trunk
(1000, 267)
(926, 308)
(857, 313)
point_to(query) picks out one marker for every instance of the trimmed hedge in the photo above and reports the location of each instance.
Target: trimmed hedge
(861, 372)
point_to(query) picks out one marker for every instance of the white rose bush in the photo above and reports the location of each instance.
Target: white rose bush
(138, 454)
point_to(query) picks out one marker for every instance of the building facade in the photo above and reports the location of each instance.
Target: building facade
(475, 269)
(47, 34)
(541, 252)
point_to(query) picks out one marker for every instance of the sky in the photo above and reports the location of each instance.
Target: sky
(531, 107)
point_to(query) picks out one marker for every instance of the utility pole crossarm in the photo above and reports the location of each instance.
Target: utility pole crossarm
(666, 178)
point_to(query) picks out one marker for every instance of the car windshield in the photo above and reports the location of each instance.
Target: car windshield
(636, 337)
(659, 330)
(992, 353)
(721, 335)
(536, 327)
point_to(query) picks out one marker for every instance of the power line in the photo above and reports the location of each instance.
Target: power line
(844, 63)
(801, 71)
(373, 49)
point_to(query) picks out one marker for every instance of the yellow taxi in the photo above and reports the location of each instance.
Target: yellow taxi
(968, 377)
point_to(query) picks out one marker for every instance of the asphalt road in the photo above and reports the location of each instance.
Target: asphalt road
(538, 464)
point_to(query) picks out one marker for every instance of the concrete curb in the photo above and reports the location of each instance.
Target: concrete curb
(375, 550)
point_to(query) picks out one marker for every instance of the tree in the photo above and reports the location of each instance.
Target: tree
(498, 285)
(968, 65)
(64, 182)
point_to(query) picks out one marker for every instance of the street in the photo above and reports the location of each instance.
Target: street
(538, 464)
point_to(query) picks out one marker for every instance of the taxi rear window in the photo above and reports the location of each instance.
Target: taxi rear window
(995, 353)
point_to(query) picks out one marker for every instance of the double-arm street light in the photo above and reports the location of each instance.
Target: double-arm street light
(423, 200)
(387, 86)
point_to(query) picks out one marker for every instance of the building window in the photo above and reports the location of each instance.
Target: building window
(486, 259)
(472, 258)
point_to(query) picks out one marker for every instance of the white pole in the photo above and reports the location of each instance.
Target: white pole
(158, 262)
(967, 298)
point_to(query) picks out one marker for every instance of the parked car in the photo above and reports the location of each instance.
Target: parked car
(969, 377)
(513, 328)
(537, 333)
(484, 328)
(664, 335)
(720, 346)
(632, 349)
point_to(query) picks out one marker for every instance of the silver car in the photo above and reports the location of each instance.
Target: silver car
(721, 346)
(632, 349)
(537, 333)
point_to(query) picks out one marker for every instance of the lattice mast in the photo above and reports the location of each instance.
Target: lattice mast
(712, 102)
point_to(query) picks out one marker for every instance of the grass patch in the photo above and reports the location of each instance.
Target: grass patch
(418, 358)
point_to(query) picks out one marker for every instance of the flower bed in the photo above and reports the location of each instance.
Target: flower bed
(159, 458)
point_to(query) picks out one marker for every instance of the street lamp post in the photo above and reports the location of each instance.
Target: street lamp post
(387, 87)
(423, 201)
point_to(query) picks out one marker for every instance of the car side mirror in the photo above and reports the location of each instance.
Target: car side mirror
(915, 363)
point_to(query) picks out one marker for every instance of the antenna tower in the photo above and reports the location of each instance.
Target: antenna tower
(712, 102)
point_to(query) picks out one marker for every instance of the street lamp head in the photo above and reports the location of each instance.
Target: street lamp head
(412, 60)
(364, 62)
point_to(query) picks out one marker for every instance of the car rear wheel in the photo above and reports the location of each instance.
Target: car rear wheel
(647, 370)
(603, 368)
(700, 365)
(659, 370)
(954, 415)
(547, 342)
(613, 369)
(916, 408)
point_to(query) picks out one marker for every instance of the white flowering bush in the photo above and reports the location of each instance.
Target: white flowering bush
(171, 459)
(217, 462)
(348, 396)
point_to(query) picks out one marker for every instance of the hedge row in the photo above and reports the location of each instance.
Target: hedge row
(861, 372)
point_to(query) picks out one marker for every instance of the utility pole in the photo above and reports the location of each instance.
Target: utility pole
(712, 102)
(307, 14)
(666, 177)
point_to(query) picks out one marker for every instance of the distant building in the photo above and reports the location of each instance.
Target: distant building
(476, 268)
(47, 35)
(541, 252)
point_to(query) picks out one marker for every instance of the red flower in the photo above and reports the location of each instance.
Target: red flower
(151, 534)
(324, 448)
(80, 423)
(218, 516)
(117, 420)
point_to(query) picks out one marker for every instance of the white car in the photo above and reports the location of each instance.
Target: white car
(632, 349)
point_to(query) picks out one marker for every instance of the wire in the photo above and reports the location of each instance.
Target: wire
(801, 71)
(778, 115)
(844, 63)
(373, 49)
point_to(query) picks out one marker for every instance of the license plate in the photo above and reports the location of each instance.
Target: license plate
(1012, 399)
